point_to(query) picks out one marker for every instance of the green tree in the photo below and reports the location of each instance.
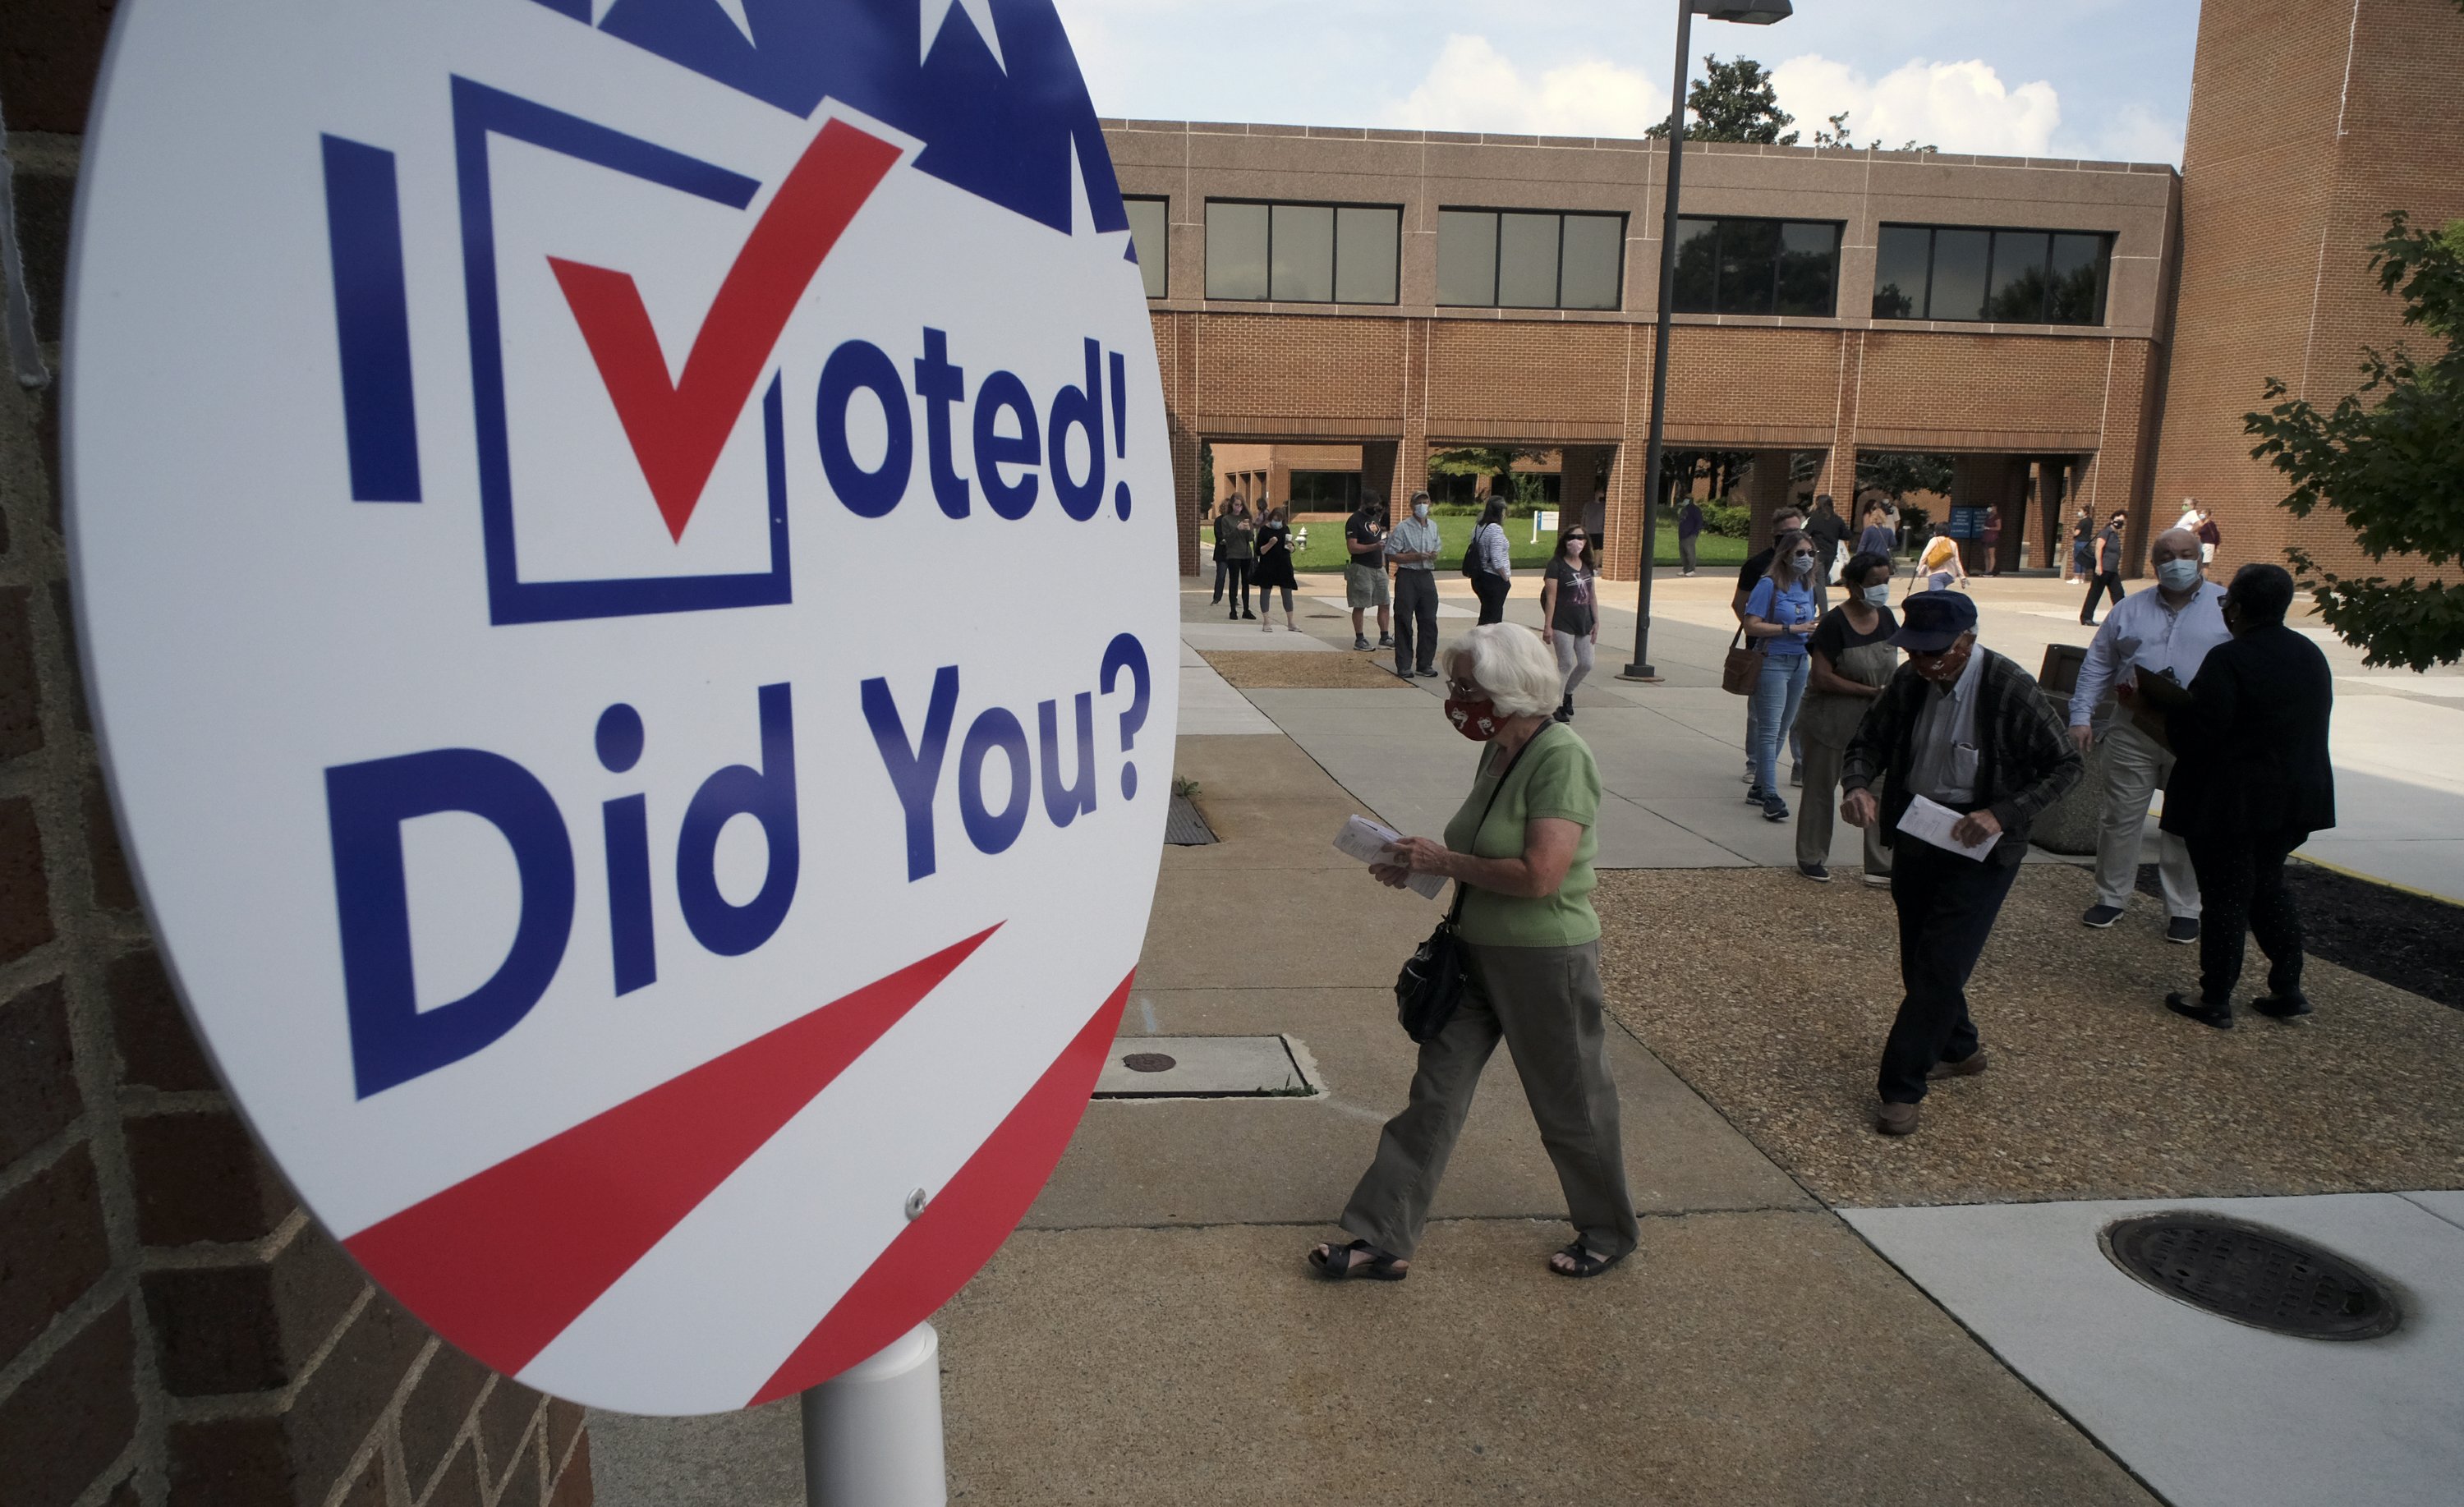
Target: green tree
(2390, 458)
(1841, 138)
(1899, 473)
(1206, 479)
(1733, 102)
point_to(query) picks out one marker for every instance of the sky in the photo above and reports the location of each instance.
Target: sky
(2093, 78)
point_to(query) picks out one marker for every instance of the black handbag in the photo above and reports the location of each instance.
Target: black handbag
(1431, 983)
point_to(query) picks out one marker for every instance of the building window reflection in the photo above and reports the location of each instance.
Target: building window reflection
(1151, 235)
(1744, 266)
(1302, 252)
(1529, 259)
(1969, 274)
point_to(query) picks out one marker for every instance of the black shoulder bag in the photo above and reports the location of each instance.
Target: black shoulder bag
(1431, 983)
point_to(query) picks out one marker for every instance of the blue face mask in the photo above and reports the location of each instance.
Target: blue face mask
(2178, 574)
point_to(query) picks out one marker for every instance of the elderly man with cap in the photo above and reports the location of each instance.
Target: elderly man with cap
(2163, 632)
(1967, 729)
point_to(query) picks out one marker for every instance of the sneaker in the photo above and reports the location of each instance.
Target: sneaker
(1775, 809)
(1896, 1119)
(1401, 673)
(1251, 617)
(2220, 1017)
(1385, 641)
(1815, 872)
(1748, 775)
(2101, 916)
(1430, 673)
(1877, 881)
(1968, 1066)
(2281, 1006)
(2181, 928)
(1360, 641)
(1753, 795)
(1795, 774)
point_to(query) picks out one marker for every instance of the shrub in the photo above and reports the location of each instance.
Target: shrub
(1727, 519)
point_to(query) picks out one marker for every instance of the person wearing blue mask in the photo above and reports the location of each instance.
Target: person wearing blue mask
(2165, 632)
(1849, 661)
(1780, 614)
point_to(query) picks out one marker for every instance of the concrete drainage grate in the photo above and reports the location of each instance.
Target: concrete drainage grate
(2254, 1276)
(1183, 827)
(1206, 1067)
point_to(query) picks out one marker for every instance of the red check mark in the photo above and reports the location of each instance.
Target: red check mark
(679, 428)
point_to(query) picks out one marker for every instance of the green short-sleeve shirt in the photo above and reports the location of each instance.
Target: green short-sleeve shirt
(1556, 777)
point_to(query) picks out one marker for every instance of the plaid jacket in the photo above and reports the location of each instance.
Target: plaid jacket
(2025, 761)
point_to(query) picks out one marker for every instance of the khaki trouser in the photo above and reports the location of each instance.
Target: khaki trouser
(1820, 802)
(1544, 1001)
(2136, 766)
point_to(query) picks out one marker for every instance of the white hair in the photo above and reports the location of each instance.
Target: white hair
(1510, 663)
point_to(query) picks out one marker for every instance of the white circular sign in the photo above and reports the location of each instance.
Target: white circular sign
(627, 564)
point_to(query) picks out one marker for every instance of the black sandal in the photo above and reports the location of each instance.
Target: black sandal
(1380, 1267)
(1586, 1264)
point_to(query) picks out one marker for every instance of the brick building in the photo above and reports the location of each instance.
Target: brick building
(2308, 122)
(2011, 312)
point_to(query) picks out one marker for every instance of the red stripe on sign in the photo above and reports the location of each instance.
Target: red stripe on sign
(961, 1229)
(503, 1261)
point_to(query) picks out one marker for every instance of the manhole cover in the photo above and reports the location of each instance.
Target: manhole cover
(1149, 1062)
(2262, 1278)
(1183, 827)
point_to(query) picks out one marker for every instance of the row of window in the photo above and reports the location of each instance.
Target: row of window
(1522, 259)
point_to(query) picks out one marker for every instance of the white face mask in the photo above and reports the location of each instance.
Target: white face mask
(1879, 595)
(2178, 574)
(1421, 511)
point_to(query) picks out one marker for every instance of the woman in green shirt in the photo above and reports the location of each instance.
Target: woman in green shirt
(1532, 955)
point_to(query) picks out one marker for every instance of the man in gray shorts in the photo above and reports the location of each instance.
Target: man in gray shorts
(1364, 580)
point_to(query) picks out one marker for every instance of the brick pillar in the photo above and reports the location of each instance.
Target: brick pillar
(1380, 471)
(1582, 472)
(1622, 534)
(173, 1329)
(1980, 481)
(2053, 532)
(1766, 491)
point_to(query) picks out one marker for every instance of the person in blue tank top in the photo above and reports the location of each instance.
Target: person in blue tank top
(1780, 615)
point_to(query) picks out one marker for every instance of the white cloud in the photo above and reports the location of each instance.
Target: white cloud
(1474, 87)
(1958, 107)
(2131, 134)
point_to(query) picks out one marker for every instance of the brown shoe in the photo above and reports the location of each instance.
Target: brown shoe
(1896, 1119)
(1968, 1066)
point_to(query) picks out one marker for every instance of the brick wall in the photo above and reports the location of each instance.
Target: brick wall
(174, 1331)
(2309, 120)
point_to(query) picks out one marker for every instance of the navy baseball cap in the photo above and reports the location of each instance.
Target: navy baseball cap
(1932, 621)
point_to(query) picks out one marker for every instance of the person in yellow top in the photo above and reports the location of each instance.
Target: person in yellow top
(1939, 564)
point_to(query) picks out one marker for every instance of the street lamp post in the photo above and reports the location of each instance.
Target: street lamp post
(1761, 14)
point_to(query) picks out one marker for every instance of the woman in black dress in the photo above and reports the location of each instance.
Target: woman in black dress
(1274, 568)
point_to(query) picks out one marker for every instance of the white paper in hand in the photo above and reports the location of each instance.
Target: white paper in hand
(1368, 841)
(1931, 822)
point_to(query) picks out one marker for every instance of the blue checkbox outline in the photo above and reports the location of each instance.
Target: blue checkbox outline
(480, 110)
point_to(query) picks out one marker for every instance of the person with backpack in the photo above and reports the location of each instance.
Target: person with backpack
(1490, 563)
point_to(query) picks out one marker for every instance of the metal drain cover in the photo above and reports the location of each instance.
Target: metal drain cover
(2254, 1276)
(1183, 827)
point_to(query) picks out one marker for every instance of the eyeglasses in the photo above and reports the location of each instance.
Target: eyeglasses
(1464, 691)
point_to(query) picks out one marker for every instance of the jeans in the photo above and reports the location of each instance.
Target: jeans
(1946, 906)
(2242, 877)
(2135, 767)
(1545, 1002)
(1491, 590)
(1416, 619)
(1775, 699)
(2097, 586)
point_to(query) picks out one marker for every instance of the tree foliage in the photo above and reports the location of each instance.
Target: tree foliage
(1840, 137)
(2389, 458)
(1480, 460)
(1733, 102)
(1899, 473)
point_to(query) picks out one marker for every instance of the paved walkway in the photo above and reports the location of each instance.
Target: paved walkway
(1805, 1322)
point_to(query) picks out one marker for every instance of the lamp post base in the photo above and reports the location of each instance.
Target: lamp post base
(873, 1434)
(1641, 674)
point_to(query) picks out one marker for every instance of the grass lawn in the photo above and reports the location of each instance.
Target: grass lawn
(1325, 551)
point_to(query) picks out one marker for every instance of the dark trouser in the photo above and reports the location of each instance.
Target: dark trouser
(1241, 585)
(1492, 591)
(1223, 567)
(2241, 885)
(1946, 906)
(1686, 550)
(2097, 586)
(1545, 1002)
(1416, 619)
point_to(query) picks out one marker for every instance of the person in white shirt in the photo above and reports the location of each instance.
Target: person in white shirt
(2165, 630)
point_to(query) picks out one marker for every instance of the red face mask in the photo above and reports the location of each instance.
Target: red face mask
(1476, 720)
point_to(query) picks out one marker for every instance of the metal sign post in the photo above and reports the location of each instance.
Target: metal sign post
(873, 1434)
